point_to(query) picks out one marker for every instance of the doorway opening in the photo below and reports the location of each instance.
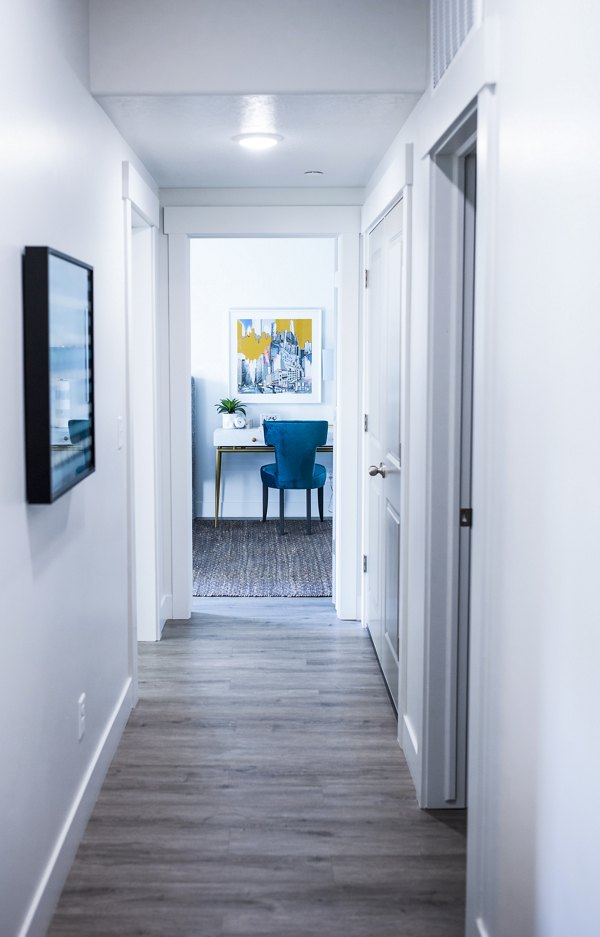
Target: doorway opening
(263, 326)
(137, 433)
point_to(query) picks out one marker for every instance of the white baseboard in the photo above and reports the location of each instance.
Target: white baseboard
(410, 734)
(45, 899)
(295, 507)
(166, 610)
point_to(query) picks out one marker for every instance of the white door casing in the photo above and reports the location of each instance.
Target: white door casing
(143, 434)
(139, 433)
(443, 766)
(342, 223)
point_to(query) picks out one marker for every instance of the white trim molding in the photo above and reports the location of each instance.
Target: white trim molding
(263, 221)
(181, 422)
(141, 195)
(140, 200)
(483, 781)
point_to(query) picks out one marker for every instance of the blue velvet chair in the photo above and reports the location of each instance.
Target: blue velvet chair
(295, 443)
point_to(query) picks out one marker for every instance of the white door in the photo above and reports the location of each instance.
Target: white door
(383, 407)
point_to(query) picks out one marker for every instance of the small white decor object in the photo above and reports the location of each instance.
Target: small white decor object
(228, 421)
(239, 422)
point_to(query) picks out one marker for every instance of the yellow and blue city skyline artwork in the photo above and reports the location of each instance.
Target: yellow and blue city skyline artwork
(274, 356)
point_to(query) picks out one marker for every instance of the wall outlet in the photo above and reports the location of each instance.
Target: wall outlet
(81, 717)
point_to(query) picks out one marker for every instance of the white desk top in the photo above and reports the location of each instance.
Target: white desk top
(249, 437)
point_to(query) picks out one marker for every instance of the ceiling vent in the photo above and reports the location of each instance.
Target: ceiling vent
(451, 20)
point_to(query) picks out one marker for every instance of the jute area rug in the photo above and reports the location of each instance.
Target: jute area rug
(249, 558)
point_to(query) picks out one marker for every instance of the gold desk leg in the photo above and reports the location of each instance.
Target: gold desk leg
(217, 484)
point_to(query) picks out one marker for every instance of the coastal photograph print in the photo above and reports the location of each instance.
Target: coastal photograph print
(276, 355)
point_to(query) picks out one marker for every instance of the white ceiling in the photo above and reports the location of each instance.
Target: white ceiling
(336, 78)
(186, 140)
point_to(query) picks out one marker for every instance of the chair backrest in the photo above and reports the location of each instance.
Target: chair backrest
(295, 443)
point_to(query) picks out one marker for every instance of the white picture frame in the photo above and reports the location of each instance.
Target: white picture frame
(275, 355)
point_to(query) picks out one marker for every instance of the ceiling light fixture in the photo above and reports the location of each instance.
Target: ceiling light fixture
(258, 141)
(313, 172)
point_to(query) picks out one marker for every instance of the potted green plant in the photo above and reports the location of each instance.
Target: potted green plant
(228, 408)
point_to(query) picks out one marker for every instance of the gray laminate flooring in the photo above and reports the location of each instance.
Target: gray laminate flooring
(259, 790)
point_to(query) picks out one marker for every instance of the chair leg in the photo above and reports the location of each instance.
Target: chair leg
(281, 527)
(308, 506)
(265, 501)
(320, 501)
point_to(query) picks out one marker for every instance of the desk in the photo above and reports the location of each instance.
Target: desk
(245, 440)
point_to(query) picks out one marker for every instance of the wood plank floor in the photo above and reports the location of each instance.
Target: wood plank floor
(259, 790)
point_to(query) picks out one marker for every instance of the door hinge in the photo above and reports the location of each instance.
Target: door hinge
(466, 517)
(366, 279)
(366, 422)
(364, 564)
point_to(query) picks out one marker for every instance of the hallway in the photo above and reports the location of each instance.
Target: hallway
(259, 790)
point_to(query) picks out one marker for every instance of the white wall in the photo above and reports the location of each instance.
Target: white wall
(542, 464)
(251, 272)
(535, 764)
(63, 567)
(324, 195)
(376, 46)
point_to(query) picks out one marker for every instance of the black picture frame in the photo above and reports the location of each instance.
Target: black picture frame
(58, 332)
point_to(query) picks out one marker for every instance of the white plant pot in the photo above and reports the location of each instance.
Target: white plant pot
(227, 420)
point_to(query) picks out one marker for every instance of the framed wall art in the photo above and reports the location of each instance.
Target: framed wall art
(275, 355)
(59, 376)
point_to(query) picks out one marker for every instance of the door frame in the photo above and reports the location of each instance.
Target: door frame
(343, 224)
(444, 766)
(141, 208)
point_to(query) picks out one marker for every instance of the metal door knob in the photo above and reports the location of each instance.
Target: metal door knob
(377, 470)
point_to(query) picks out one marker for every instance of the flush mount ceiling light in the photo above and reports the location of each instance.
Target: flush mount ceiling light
(258, 141)
(313, 172)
